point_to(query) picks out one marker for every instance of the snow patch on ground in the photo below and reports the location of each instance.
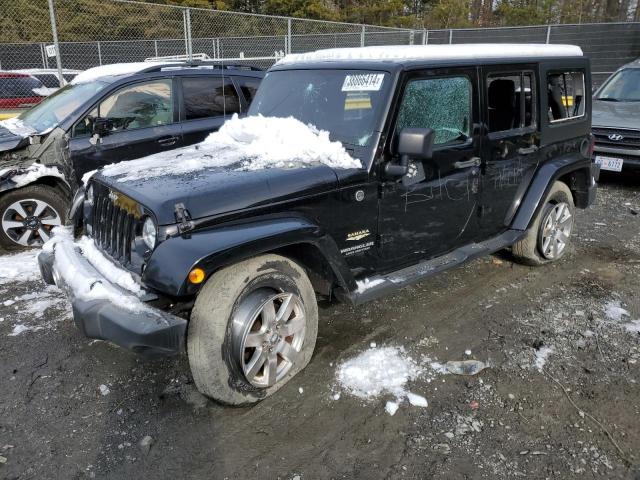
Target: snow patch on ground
(614, 311)
(17, 127)
(249, 143)
(633, 326)
(38, 310)
(19, 267)
(542, 354)
(381, 371)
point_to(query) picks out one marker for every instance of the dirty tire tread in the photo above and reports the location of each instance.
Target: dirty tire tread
(41, 192)
(525, 251)
(208, 336)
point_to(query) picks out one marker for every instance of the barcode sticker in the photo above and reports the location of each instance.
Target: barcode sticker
(367, 82)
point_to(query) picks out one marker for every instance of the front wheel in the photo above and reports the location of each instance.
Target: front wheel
(253, 327)
(29, 214)
(547, 240)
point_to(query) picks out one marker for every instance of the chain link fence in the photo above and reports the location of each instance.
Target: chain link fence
(99, 32)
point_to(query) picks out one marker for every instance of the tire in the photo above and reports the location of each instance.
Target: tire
(30, 199)
(531, 249)
(219, 357)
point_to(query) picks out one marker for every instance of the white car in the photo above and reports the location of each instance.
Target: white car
(49, 78)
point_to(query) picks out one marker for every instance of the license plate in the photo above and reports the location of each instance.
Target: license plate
(609, 163)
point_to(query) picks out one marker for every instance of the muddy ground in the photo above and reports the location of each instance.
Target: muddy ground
(578, 416)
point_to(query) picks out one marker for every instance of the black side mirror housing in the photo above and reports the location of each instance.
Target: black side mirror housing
(416, 143)
(412, 143)
(102, 126)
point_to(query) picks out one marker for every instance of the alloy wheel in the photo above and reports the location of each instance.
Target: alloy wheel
(28, 222)
(268, 331)
(556, 230)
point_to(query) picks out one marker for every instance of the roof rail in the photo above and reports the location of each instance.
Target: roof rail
(195, 56)
(219, 64)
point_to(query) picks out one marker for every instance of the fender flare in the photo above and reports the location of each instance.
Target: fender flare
(14, 178)
(172, 260)
(526, 207)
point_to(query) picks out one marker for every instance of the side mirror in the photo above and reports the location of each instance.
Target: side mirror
(102, 126)
(412, 143)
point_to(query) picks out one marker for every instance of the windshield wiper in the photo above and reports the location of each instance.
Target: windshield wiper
(608, 99)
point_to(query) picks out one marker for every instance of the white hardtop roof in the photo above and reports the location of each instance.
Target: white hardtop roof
(114, 69)
(462, 51)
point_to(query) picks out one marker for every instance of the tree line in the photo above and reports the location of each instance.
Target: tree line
(88, 20)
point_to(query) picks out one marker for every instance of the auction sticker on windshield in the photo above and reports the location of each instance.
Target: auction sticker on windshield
(367, 82)
(609, 163)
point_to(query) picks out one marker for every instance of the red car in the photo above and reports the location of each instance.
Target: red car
(19, 90)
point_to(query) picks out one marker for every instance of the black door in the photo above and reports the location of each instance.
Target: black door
(143, 120)
(432, 210)
(510, 149)
(208, 101)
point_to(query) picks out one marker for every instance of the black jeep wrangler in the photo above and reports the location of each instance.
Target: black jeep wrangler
(463, 153)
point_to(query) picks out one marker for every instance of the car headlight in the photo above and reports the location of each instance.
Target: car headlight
(149, 233)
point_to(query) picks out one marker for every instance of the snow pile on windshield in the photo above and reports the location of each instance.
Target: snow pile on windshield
(380, 371)
(17, 127)
(250, 143)
(19, 267)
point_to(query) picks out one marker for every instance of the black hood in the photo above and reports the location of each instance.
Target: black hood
(10, 141)
(222, 190)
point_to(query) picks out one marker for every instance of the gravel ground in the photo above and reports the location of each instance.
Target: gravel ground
(559, 400)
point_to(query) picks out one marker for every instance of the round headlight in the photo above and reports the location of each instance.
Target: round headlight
(149, 233)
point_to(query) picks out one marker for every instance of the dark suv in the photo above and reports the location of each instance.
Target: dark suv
(107, 114)
(417, 160)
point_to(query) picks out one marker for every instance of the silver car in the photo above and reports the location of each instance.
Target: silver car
(616, 120)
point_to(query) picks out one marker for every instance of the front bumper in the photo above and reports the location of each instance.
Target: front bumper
(130, 323)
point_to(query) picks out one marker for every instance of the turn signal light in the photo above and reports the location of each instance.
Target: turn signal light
(196, 276)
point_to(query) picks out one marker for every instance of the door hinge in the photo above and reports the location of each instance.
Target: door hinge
(185, 224)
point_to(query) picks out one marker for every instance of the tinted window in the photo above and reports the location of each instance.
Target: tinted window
(248, 86)
(17, 87)
(207, 97)
(565, 92)
(49, 80)
(442, 104)
(139, 106)
(510, 100)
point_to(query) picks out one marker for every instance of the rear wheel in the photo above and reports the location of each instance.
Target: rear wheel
(27, 216)
(253, 327)
(548, 238)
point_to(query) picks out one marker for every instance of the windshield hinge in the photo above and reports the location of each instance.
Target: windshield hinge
(183, 218)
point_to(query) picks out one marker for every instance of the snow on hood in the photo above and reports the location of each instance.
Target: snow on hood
(251, 143)
(18, 127)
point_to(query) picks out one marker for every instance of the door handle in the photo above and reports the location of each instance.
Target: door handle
(472, 162)
(527, 150)
(167, 141)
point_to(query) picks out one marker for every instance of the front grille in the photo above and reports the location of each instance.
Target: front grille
(113, 227)
(630, 138)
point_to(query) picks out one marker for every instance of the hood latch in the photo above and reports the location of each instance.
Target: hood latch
(183, 218)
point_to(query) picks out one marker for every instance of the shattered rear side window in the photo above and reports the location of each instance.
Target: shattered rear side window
(442, 104)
